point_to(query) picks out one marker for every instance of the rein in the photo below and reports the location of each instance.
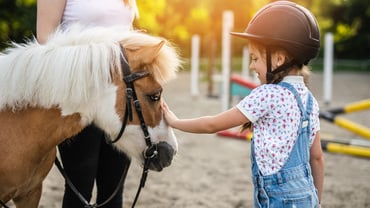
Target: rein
(150, 151)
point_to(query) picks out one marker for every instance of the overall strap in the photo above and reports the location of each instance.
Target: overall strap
(305, 113)
(300, 150)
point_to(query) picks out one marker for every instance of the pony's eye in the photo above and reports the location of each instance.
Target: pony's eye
(155, 97)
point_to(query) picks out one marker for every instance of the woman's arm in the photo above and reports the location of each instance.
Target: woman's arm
(206, 124)
(49, 16)
(317, 164)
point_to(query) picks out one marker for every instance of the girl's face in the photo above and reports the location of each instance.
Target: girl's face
(258, 60)
(258, 63)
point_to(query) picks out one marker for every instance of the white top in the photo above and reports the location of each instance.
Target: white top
(275, 115)
(92, 13)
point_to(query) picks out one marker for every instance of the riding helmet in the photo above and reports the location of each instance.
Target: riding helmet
(287, 25)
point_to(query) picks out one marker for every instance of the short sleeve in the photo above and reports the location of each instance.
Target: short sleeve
(259, 102)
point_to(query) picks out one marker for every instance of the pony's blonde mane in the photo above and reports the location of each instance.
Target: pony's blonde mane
(71, 66)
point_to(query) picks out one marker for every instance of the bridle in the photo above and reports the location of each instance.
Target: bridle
(150, 151)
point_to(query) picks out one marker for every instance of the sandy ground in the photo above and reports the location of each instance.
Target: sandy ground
(211, 171)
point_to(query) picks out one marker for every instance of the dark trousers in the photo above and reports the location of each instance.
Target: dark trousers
(88, 158)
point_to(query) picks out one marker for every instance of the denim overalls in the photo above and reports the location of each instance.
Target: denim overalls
(293, 185)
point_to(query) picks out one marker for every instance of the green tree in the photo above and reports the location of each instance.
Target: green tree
(351, 28)
(17, 21)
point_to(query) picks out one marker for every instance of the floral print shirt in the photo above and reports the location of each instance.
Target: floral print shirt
(275, 115)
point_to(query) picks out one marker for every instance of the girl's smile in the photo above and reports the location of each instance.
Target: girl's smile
(258, 63)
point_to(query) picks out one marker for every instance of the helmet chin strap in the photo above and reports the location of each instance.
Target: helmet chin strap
(270, 74)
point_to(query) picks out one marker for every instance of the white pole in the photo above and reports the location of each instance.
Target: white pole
(195, 47)
(328, 68)
(227, 25)
(245, 63)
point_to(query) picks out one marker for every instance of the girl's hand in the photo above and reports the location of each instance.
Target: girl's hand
(168, 115)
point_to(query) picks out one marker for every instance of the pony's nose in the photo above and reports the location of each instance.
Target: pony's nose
(164, 157)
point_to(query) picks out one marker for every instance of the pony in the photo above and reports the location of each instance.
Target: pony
(50, 92)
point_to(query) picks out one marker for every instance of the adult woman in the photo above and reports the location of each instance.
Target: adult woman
(87, 158)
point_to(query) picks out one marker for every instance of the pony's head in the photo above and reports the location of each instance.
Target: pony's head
(80, 71)
(151, 62)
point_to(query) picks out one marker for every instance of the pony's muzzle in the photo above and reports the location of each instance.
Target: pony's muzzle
(163, 158)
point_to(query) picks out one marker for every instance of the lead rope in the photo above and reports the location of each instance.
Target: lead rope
(79, 195)
(144, 175)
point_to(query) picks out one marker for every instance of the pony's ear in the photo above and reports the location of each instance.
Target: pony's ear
(145, 54)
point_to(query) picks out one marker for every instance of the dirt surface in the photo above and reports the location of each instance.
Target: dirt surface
(212, 171)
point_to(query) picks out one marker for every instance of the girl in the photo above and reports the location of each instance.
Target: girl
(286, 155)
(87, 158)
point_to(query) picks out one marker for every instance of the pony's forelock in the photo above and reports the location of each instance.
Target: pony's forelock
(165, 64)
(162, 69)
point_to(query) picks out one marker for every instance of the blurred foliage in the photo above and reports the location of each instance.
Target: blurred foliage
(17, 21)
(178, 20)
(350, 24)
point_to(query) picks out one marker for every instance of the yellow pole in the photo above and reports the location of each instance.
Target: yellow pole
(347, 149)
(354, 127)
(357, 106)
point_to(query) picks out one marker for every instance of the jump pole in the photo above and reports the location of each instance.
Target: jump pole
(331, 115)
(337, 147)
(195, 48)
(328, 68)
(227, 25)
